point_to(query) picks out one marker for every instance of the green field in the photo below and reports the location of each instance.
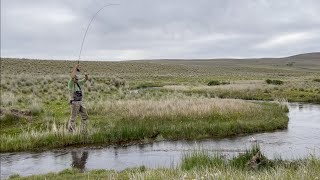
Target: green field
(145, 101)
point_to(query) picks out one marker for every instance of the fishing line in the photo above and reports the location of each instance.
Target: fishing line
(85, 34)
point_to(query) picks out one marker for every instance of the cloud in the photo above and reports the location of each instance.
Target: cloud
(286, 40)
(159, 29)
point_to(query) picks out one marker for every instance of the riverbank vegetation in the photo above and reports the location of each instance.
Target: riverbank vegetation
(202, 165)
(143, 101)
(124, 121)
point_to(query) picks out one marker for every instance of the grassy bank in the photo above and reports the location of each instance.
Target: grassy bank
(125, 121)
(201, 165)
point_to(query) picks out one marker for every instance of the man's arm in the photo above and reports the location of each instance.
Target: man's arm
(85, 79)
(74, 70)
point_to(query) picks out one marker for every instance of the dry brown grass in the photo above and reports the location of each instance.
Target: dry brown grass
(191, 107)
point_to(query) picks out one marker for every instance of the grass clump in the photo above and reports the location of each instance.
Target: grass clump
(201, 159)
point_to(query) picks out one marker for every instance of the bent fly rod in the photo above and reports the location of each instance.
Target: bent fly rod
(85, 34)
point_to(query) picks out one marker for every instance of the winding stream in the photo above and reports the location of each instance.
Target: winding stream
(301, 139)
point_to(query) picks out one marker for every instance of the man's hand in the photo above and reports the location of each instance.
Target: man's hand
(77, 67)
(74, 70)
(86, 75)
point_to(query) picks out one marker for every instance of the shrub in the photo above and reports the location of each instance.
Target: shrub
(117, 82)
(148, 85)
(216, 83)
(316, 80)
(275, 82)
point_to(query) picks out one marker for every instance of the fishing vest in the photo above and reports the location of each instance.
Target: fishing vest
(77, 95)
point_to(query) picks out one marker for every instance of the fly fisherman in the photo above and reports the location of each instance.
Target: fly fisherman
(76, 95)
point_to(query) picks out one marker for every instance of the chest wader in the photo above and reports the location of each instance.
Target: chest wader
(77, 107)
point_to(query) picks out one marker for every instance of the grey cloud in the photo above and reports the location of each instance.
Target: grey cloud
(145, 29)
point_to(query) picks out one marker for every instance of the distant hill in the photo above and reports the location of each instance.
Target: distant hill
(314, 55)
(309, 62)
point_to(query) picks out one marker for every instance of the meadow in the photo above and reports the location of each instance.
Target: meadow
(144, 101)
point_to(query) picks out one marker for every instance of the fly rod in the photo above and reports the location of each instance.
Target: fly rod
(85, 34)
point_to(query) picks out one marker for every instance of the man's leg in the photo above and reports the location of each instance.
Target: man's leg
(84, 118)
(74, 112)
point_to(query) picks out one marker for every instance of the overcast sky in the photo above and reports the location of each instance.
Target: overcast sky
(156, 29)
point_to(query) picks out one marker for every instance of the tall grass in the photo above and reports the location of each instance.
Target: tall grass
(173, 107)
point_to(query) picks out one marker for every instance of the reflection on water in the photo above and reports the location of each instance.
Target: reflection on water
(79, 160)
(299, 140)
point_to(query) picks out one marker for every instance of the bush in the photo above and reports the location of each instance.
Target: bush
(148, 85)
(117, 82)
(275, 82)
(316, 80)
(216, 83)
